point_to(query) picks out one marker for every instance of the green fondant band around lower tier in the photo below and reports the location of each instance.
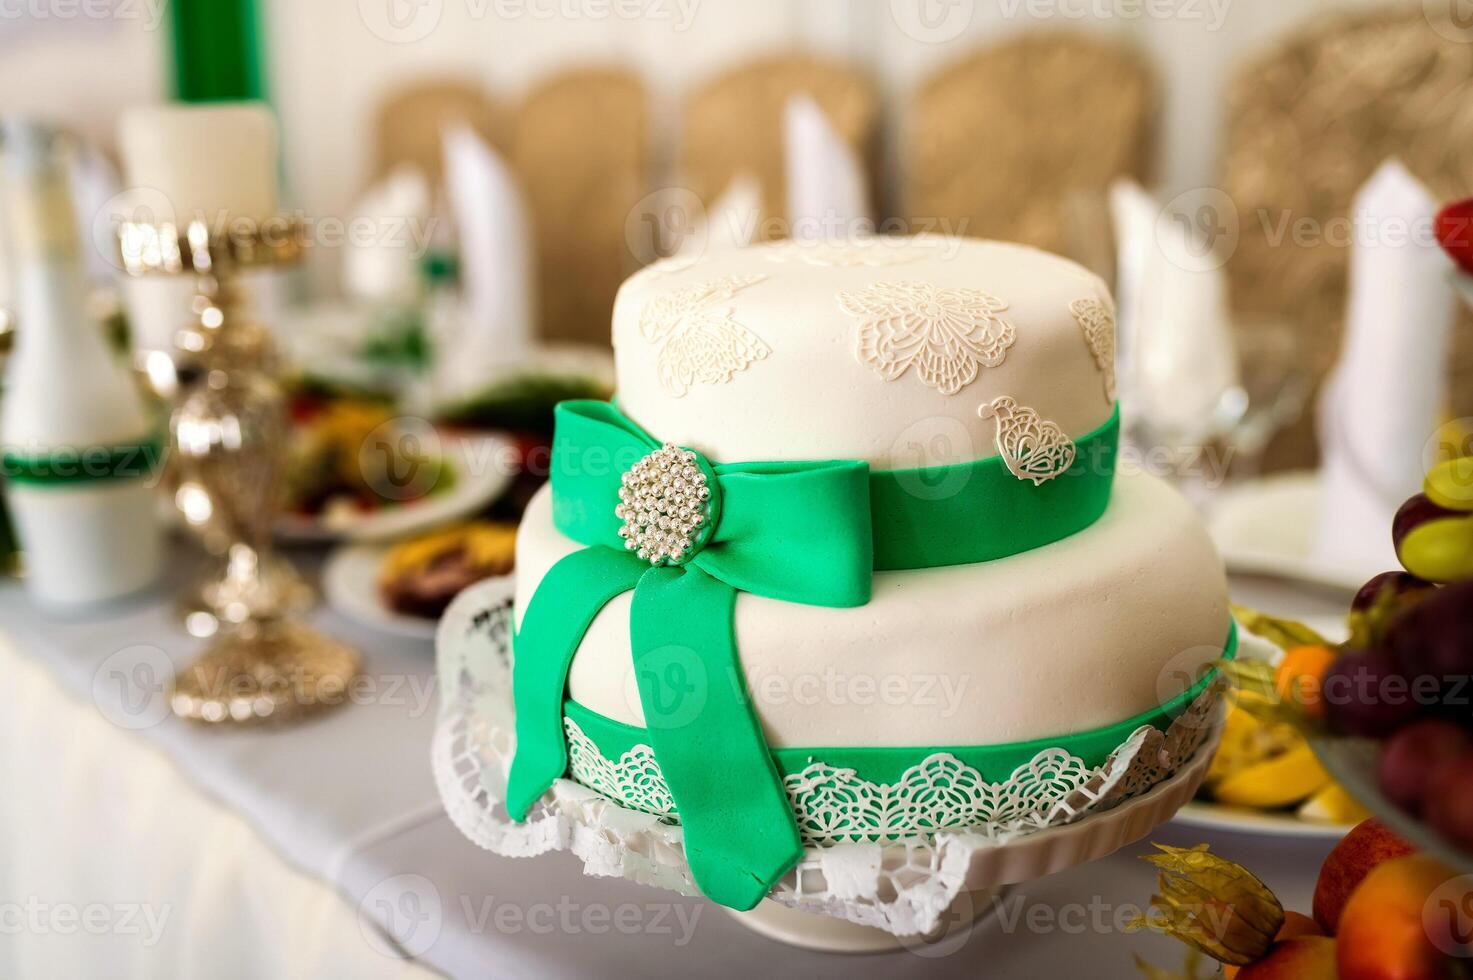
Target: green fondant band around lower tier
(886, 764)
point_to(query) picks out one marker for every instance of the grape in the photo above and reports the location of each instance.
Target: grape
(1450, 484)
(1435, 637)
(1449, 802)
(1433, 542)
(1410, 756)
(1366, 693)
(1413, 514)
(1401, 582)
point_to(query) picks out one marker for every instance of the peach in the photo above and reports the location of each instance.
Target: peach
(1382, 935)
(1296, 925)
(1368, 844)
(1304, 958)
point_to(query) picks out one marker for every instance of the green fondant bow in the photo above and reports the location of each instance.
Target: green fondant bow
(808, 532)
(793, 531)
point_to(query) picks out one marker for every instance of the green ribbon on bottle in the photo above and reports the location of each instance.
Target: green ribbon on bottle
(71, 466)
(217, 50)
(805, 532)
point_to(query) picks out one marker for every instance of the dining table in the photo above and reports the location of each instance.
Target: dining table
(136, 844)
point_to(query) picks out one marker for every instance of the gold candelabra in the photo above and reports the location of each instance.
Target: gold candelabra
(228, 440)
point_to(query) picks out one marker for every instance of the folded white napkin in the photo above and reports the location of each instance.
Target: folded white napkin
(827, 191)
(734, 220)
(384, 267)
(496, 258)
(1173, 321)
(1383, 401)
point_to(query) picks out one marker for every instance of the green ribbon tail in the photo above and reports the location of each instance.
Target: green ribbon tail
(740, 834)
(566, 602)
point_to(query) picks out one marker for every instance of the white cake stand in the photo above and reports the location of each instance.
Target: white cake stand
(826, 934)
(993, 870)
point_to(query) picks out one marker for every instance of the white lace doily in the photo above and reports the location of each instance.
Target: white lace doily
(903, 884)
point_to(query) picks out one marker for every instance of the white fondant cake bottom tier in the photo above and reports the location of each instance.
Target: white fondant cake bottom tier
(1077, 635)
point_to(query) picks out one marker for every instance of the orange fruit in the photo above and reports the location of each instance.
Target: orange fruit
(1299, 677)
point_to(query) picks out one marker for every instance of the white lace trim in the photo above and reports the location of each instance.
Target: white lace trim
(947, 335)
(634, 779)
(903, 887)
(834, 805)
(699, 339)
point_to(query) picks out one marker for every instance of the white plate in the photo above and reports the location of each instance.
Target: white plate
(350, 585)
(1213, 816)
(1266, 527)
(483, 470)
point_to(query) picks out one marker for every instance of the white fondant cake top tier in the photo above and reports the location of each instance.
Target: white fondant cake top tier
(889, 350)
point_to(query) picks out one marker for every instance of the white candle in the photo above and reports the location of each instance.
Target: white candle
(216, 162)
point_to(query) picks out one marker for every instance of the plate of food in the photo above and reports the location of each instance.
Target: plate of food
(359, 472)
(404, 588)
(521, 395)
(1265, 777)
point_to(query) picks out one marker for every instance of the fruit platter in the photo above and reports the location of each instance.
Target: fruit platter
(1389, 712)
(1383, 909)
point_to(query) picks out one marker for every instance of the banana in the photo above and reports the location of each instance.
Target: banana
(1281, 781)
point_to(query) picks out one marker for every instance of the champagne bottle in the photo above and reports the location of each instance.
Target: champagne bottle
(78, 451)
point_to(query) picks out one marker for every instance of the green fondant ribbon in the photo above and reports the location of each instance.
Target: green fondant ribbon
(793, 531)
(84, 464)
(806, 532)
(978, 511)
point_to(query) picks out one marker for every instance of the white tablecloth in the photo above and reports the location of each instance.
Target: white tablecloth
(133, 845)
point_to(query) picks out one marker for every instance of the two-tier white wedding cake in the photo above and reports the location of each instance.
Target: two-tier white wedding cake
(848, 560)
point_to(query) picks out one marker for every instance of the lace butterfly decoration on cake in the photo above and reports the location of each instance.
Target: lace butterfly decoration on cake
(1031, 447)
(699, 340)
(946, 334)
(1097, 321)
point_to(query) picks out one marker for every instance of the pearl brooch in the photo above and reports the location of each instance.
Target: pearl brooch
(662, 502)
